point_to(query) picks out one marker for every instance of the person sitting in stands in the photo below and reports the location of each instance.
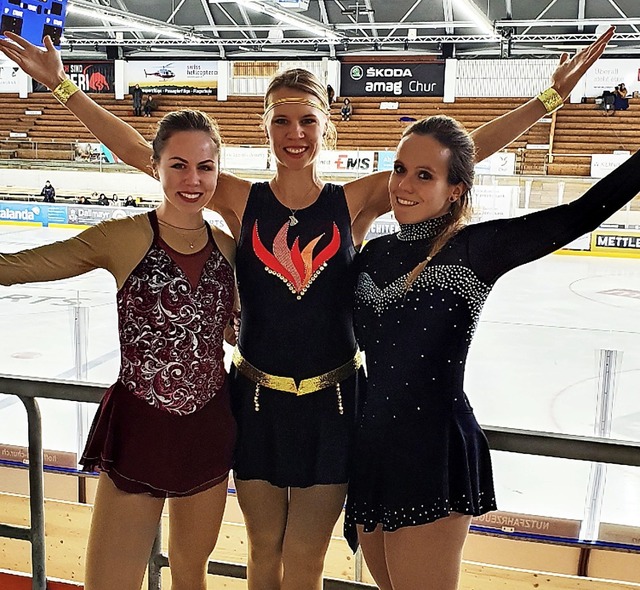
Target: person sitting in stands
(347, 110)
(149, 105)
(130, 202)
(621, 102)
(103, 200)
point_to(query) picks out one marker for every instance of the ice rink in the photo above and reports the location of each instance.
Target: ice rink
(534, 364)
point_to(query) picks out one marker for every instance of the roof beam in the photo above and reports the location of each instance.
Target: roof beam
(404, 18)
(210, 19)
(581, 13)
(621, 13)
(113, 15)
(447, 7)
(541, 14)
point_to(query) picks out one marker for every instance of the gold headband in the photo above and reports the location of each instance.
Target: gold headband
(293, 100)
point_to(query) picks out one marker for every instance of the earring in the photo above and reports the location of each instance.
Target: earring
(453, 199)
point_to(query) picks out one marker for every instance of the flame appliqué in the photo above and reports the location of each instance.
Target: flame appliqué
(296, 268)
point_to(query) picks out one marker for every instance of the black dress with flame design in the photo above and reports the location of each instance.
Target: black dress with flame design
(296, 291)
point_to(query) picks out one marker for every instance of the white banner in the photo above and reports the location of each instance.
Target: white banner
(493, 202)
(243, 158)
(177, 77)
(8, 76)
(346, 161)
(602, 164)
(498, 164)
(606, 74)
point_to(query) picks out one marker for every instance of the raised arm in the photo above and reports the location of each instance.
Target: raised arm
(45, 66)
(498, 246)
(495, 135)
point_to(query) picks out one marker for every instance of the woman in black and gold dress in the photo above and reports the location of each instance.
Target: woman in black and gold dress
(422, 467)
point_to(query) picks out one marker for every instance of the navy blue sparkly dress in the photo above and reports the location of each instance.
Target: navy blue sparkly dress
(419, 452)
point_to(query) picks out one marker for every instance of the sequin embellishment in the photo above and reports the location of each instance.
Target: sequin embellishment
(296, 268)
(458, 279)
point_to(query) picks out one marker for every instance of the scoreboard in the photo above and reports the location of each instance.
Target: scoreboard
(34, 19)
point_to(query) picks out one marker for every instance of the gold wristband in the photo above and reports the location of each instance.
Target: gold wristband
(551, 100)
(65, 90)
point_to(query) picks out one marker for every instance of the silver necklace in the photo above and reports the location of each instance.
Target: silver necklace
(293, 220)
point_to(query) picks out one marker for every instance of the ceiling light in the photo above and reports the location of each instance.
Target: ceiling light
(298, 22)
(471, 11)
(121, 20)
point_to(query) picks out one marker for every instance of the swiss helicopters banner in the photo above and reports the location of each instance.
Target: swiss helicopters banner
(173, 77)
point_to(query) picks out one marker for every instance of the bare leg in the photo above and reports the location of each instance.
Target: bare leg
(194, 524)
(313, 512)
(430, 552)
(123, 528)
(373, 550)
(264, 508)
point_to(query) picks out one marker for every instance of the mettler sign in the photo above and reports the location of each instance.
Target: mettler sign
(392, 79)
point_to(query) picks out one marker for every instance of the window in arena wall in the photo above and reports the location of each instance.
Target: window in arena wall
(254, 69)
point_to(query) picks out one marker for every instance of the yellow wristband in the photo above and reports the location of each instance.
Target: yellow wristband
(65, 90)
(551, 100)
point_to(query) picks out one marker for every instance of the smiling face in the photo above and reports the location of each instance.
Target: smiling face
(419, 183)
(295, 130)
(188, 171)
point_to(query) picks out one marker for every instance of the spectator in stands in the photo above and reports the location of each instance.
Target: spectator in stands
(164, 430)
(130, 202)
(621, 102)
(136, 96)
(115, 199)
(103, 200)
(82, 200)
(331, 93)
(292, 460)
(150, 105)
(48, 193)
(347, 110)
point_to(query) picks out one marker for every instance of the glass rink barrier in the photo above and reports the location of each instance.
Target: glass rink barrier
(553, 374)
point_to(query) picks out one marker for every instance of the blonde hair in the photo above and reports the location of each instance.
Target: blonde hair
(304, 81)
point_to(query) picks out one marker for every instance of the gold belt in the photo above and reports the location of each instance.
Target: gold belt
(288, 384)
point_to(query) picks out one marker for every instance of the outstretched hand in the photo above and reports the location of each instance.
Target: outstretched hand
(569, 71)
(43, 65)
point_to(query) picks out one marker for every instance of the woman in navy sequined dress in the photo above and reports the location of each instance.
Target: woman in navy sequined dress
(422, 467)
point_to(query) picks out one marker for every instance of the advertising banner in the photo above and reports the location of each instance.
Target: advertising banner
(44, 215)
(178, 77)
(493, 202)
(346, 161)
(8, 77)
(602, 164)
(243, 158)
(606, 74)
(498, 164)
(89, 76)
(392, 79)
(385, 160)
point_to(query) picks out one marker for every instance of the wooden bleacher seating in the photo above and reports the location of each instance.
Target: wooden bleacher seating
(580, 129)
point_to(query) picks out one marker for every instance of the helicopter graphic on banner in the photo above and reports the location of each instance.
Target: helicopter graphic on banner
(177, 77)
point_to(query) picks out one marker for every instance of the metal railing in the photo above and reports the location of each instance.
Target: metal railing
(582, 448)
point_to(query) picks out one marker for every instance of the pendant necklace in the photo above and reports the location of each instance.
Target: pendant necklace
(189, 238)
(293, 220)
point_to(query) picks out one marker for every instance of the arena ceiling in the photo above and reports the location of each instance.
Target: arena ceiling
(307, 29)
